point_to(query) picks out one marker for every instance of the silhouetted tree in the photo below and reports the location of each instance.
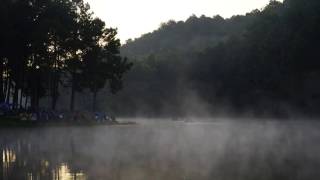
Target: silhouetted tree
(43, 45)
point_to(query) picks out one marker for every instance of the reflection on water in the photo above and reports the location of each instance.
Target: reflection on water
(8, 159)
(61, 173)
(58, 172)
(64, 173)
(171, 151)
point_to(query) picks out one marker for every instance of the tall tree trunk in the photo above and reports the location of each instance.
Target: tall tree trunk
(1, 82)
(35, 95)
(73, 91)
(15, 97)
(54, 100)
(26, 102)
(8, 92)
(6, 85)
(94, 100)
(21, 85)
(21, 97)
(54, 90)
(55, 80)
(33, 101)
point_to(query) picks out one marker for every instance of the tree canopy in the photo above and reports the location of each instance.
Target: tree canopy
(51, 44)
(263, 63)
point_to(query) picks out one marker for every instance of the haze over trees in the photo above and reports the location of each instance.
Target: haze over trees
(47, 45)
(265, 63)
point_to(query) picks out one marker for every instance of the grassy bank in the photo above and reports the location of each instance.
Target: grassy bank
(16, 122)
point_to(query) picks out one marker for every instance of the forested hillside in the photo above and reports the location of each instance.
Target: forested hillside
(195, 34)
(265, 63)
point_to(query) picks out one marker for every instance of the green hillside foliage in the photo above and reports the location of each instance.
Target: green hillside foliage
(265, 63)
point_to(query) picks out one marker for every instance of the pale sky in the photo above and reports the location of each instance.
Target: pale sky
(136, 17)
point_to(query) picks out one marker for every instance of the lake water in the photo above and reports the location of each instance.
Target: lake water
(164, 150)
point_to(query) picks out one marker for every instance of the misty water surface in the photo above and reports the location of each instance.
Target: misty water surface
(166, 150)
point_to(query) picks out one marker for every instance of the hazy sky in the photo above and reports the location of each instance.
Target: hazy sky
(136, 17)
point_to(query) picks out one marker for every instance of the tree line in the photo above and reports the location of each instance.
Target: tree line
(265, 63)
(48, 45)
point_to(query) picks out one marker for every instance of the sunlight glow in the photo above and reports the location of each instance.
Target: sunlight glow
(8, 156)
(64, 173)
(134, 18)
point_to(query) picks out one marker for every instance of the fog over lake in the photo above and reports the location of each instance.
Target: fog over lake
(69, 76)
(165, 149)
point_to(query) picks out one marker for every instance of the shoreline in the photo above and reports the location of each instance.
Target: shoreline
(12, 122)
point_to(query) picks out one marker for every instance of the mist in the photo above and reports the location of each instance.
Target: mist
(200, 98)
(223, 150)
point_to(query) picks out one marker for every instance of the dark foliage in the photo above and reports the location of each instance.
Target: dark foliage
(265, 63)
(46, 44)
